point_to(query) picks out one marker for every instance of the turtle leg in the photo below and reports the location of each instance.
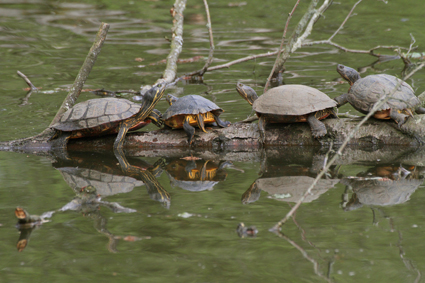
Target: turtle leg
(220, 122)
(420, 110)
(119, 141)
(318, 129)
(190, 131)
(399, 117)
(341, 100)
(201, 124)
(262, 122)
(156, 118)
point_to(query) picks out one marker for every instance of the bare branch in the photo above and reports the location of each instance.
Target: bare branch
(244, 59)
(211, 53)
(29, 83)
(84, 72)
(176, 42)
(345, 20)
(315, 17)
(370, 51)
(281, 45)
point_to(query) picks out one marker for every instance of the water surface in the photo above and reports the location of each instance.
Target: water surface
(363, 223)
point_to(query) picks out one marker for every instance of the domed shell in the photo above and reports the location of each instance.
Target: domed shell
(191, 104)
(365, 92)
(292, 100)
(96, 112)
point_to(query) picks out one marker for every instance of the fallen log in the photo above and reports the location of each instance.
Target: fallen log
(244, 137)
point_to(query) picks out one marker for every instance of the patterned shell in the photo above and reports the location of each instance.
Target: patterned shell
(96, 112)
(191, 104)
(292, 100)
(365, 92)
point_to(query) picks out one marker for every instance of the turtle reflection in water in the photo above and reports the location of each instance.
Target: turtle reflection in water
(109, 177)
(287, 188)
(27, 223)
(381, 186)
(196, 175)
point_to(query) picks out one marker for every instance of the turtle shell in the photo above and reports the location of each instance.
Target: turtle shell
(191, 105)
(365, 92)
(292, 100)
(95, 113)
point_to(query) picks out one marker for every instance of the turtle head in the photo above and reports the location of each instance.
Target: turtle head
(348, 74)
(171, 99)
(246, 92)
(154, 94)
(150, 99)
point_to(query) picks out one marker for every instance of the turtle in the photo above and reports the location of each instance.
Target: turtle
(104, 116)
(289, 104)
(365, 92)
(192, 110)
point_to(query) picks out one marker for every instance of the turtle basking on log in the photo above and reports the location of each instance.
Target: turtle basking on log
(290, 104)
(365, 92)
(192, 110)
(104, 116)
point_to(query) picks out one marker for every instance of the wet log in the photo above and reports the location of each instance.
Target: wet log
(244, 137)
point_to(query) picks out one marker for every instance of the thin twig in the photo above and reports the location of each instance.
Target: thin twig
(377, 105)
(281, 45)
(345, 20)
(83, 74)
(211, 53)
(327, 155)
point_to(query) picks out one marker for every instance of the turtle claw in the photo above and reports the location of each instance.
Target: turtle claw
(318, 133)
(318, 129)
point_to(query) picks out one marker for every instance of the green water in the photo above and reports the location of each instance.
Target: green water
(195, 239)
